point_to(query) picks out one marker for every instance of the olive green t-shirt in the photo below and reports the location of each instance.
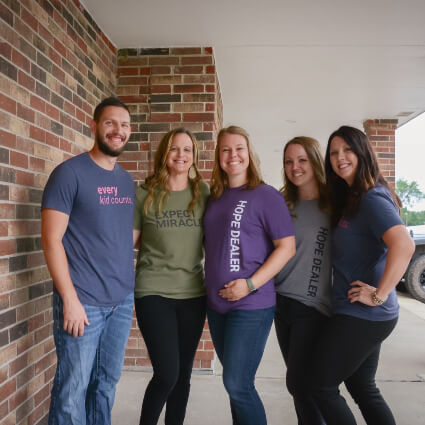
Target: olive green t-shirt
(170, 259)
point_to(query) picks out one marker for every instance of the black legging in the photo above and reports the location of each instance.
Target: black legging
(171, 329)
(348, 351)
(298, 328)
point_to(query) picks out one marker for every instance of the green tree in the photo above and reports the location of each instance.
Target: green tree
(414, 218)
(409, 194)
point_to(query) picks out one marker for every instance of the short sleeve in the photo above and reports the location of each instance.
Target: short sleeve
(61, 189)
(205, 190)
(275, 216)
(139, 213)
(380, 211)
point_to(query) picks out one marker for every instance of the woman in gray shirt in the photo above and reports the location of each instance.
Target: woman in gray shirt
(304, 285)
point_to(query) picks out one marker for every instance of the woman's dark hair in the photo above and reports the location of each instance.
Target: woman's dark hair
(345, 199)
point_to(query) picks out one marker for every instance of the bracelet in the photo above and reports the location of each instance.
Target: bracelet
(251, 286)
(376, 300)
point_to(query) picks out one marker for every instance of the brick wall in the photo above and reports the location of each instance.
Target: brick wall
(168, 88)
(381, 133)
(55, 66)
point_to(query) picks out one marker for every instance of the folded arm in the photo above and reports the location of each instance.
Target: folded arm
(284, 250)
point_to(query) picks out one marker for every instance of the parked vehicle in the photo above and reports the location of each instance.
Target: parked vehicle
(414, 279)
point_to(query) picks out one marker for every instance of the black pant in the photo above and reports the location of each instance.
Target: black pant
(348, 351)
(298, 328)
(171, 329)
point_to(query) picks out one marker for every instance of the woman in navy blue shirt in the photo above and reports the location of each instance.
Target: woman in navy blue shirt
(371, 250)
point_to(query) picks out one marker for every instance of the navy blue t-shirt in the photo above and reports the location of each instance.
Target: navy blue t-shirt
(359, 253)
(98, 240)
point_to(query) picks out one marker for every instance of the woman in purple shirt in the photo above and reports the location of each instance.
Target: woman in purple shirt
(248, 239)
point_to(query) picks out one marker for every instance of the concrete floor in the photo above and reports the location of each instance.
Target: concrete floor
(401, 378)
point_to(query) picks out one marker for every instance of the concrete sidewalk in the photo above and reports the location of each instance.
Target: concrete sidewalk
(401, 378)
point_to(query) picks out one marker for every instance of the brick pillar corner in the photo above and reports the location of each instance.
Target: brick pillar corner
(381, 133)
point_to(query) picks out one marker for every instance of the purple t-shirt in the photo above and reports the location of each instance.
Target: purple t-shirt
(239, 230)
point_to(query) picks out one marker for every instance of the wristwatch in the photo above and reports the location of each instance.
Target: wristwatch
(252, 288)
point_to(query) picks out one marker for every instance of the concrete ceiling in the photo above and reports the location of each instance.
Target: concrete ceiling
(289, 67)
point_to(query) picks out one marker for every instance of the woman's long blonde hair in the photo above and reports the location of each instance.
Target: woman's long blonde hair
(314, 154)
(219, 177)
(156, 183)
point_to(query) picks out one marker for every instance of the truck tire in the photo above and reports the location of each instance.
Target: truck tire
(415, 279)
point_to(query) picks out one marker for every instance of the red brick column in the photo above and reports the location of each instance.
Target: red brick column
(168, 88)
(381, 133)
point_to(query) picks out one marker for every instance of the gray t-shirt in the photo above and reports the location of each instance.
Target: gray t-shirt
(307, 276)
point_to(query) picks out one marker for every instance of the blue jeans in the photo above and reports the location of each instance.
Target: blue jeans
(89, 366)
(239, 338)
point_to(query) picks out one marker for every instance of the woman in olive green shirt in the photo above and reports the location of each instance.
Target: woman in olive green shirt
(169, 293)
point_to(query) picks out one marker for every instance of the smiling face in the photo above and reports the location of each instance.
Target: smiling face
(180, 156)
(234, 158)
(298, 167)
(112, 130)
(343, 160)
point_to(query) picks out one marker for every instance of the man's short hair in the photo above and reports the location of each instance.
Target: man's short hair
(109, 101)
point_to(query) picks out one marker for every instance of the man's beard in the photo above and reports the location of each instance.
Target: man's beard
(105, 148)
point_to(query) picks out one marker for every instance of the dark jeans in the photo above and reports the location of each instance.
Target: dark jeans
(239, 338)
(298, 328)
(171, 329)
(348, 351)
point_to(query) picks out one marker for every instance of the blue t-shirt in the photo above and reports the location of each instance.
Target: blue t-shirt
(98, 240)
(239, 230)
(359, 253)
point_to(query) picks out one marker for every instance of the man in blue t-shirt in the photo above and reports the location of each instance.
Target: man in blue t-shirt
(87, 217)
